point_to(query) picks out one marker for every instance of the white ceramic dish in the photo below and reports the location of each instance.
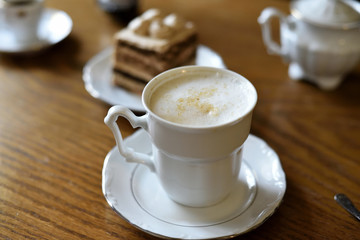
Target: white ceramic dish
(97, 75)
(136, 195)
(55, 25)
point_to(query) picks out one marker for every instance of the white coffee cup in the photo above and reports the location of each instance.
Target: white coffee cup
(20, 19)
(197, 163)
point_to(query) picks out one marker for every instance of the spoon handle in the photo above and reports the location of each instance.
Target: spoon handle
(346, 203)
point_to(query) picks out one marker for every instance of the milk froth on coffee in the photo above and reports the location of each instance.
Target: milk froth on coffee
(203, 100)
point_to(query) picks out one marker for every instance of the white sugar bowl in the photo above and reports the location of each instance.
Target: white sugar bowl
(320, 39)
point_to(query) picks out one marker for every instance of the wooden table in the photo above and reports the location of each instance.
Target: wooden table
(53, 140)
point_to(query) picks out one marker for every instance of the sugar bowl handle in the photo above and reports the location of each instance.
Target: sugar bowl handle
(265, 22)
(128, 153)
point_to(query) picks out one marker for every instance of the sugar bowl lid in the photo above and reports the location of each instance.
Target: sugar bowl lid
(328, 13)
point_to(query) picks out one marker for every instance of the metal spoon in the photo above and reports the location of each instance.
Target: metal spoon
(346, 203)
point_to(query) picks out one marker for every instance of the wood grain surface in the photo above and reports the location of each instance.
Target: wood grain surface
(53, 140)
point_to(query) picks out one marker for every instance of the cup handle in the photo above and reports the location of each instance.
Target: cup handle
(128, 153)
(264, 20)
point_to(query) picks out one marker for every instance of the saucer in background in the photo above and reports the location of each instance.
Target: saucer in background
(54, 26)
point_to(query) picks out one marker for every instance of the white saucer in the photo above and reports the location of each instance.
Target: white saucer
(97, 75)
(55, 25)
(136, 195)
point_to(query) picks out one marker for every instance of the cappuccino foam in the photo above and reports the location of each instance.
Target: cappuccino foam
(203, 100)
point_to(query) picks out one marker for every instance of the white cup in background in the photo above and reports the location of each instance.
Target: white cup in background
(20, 20)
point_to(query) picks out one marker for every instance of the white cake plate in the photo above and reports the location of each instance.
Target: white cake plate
(97, 75)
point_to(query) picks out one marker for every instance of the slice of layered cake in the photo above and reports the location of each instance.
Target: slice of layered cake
(150, 44)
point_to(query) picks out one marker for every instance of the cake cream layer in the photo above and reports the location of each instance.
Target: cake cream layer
(128, 82)
(160, 45)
